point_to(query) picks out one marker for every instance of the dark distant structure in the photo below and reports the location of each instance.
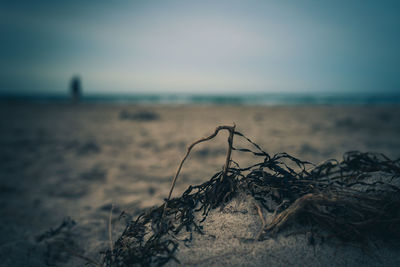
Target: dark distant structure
(76, 89)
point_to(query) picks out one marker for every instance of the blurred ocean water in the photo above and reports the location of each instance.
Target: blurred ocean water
(264, 99)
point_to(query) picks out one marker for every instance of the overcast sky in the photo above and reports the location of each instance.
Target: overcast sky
(200, 46)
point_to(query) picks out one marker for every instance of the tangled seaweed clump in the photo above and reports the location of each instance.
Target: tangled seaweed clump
(351, 200)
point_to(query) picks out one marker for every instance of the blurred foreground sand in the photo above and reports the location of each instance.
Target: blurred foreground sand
(76, 161)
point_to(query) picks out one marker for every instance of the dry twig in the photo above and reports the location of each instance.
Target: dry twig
(231, 130)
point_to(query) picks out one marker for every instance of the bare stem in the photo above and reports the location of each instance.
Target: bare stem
(229, 152)
(262, 220)
(231, 130)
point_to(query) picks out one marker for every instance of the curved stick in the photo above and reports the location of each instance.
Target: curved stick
(231, 130)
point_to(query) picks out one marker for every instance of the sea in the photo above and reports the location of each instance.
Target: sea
(259, 99)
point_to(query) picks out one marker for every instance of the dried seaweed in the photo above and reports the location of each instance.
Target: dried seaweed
(60, 244)
(141, 115)
(344, 198)
(67, 224)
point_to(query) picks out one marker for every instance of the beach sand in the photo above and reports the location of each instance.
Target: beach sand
(77, 161)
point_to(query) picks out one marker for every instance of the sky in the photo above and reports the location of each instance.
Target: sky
(200, 46)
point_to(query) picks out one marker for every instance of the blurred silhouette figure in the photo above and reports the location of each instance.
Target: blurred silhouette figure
(76, 89)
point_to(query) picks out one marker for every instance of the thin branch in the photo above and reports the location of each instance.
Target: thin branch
(229, 152)
(231, 130)
(262, 220)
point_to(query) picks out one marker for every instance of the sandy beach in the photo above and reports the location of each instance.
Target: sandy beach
(77, 161)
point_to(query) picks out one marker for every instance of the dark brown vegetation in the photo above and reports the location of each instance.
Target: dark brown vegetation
(352, 200)
(142, 115)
